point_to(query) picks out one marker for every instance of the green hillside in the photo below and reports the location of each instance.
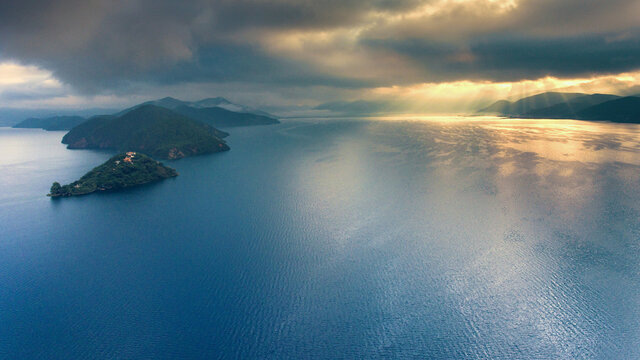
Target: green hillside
(153, 130)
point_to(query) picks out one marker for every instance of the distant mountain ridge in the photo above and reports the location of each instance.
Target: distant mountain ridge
(218, 111)
(172, 103)
(228, 105)
(357, 107)
(52, 123)
(579, 106)
(529, 103)
(570, 109)
(220, 117)
(622, 110)
(12, 116)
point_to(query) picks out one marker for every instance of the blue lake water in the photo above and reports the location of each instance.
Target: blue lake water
(465, 238)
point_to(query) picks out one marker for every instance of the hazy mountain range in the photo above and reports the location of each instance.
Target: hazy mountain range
(220, 102)
(557, 105)
(51, 123)
(357, 107)
(220, 112)
(217, 112)
(12, 116)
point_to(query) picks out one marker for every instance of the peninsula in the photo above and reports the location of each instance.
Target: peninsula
(121, 171)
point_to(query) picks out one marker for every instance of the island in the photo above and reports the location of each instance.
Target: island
(121, 171)
(150, 129)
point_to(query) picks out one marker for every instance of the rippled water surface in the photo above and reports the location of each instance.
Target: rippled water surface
(439, 238)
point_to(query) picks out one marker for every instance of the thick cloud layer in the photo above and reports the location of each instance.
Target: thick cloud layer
(112, 45)
(517, 57)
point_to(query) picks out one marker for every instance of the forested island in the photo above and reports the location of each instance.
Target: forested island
(121, 171)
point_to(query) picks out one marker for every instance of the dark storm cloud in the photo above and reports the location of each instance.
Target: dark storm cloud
(231, 63)
(302, 14)
(108, 44)
(104, 44)
(514, 58)
(221, 62)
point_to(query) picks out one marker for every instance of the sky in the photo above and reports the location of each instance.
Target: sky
(427, 56)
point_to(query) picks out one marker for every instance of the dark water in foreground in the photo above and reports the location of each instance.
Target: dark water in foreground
(332, 239)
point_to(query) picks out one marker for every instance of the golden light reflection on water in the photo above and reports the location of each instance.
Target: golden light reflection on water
(553, 139)
(571, 140)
